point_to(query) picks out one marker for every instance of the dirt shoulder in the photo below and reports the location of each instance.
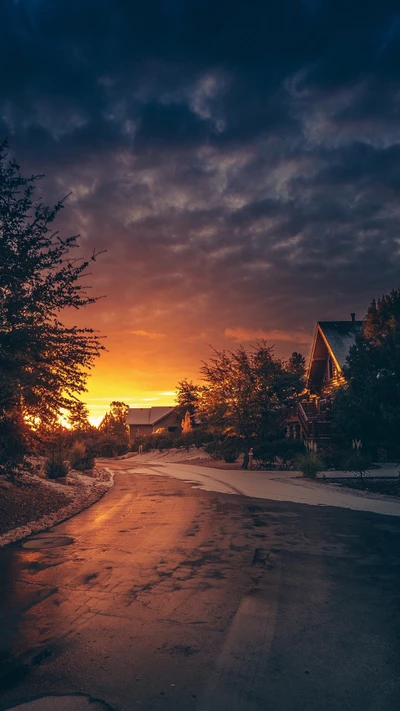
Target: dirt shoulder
(32, 503)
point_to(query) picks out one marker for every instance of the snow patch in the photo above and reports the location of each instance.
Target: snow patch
(84, 491)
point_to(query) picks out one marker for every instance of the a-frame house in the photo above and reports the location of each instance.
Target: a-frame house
(310, 419)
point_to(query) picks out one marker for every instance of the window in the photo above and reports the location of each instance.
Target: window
(330, 368)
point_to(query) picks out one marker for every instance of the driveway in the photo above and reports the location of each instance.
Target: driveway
(164, 597)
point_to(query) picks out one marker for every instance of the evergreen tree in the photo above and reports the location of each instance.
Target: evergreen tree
(368, 406)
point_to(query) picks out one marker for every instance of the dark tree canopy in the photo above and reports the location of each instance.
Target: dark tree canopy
(187, 398)
(368, 407)
(246, 393)
(43, 364)
(113, 423)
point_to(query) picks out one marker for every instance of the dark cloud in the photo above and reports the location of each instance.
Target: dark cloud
(239, 161)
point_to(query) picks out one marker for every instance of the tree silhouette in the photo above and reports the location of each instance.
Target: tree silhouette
(43, 363)
(367, 408)
(246, 392)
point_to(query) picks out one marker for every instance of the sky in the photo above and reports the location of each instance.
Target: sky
(239, 161)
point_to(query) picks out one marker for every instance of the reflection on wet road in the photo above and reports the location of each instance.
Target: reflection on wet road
(162, 596)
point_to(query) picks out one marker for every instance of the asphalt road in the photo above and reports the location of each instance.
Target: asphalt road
(165, 597)
(271, 485)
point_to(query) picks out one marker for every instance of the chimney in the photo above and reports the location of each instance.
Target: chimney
(353, 317)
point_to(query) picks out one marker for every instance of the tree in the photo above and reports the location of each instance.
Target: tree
(78, 419)
(187, 399)
(43, 364)
(247, 392)
(114, 428)
(187, 423)
(367, 408)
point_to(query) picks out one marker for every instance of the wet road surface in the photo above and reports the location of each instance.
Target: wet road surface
(164, 597)
(272, 485)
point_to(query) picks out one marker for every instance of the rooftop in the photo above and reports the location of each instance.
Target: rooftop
(341, 335)
(146, 415)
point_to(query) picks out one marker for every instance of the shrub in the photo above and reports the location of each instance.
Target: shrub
(281, 452)
(309, 465)
(230, 451)
(81, 457)
(185, 440)
(334, 457)
(163, 440)
(138, 440)
(357, 463)
(148, 443)
(201, 436)
(13, 443)
(55, 467)
(214, 449)
(109, 446)
(227, 449)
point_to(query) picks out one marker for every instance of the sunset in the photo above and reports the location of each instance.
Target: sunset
(199, 355)
(238, 167)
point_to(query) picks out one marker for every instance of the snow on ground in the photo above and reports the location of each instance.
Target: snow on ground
(273, 485)
(195, 455)
(82, 491)
(168, 455)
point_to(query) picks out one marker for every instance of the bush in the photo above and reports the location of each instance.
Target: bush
(357, 463)
(231, 448)
(135, 444)
(334, 457)
(201, 436)
(280, 452)
(309, 465)
(214, 449)
(227, 449)
(109, 447)
(55, 467)
(163, 440)
(185, 440)
(81, 457)
(13, 443)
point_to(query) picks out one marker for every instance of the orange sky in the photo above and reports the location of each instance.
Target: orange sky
(143, 365)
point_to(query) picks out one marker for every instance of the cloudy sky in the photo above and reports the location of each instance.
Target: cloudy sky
(238, 160)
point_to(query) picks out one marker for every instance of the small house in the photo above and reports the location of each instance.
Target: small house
(146, 420)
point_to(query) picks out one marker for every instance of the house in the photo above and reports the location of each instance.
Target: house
(310, 418)
(146, 420)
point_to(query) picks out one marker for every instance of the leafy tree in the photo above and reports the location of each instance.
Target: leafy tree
(114, 429)
(187, 399)
(367, 408)
(247, 392)
(78, 419)
(43, 364)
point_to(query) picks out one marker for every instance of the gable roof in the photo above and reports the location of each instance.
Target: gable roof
(147, 415)
(340, 335)
(333, 338)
